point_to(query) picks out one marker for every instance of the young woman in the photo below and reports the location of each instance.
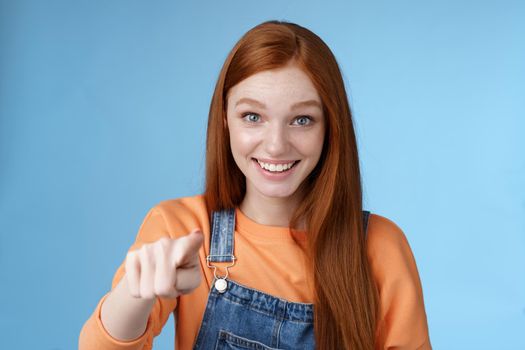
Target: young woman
(278, 252)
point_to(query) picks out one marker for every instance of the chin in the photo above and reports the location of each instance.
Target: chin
(276, 193)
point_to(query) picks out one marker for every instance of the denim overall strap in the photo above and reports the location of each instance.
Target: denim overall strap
(223, 226)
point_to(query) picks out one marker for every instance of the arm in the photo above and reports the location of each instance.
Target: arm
(403, 322)
(125, 317)
(147, 317)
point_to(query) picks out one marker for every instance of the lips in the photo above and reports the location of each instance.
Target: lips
(273, 167)
(275, 175)
(276, 162)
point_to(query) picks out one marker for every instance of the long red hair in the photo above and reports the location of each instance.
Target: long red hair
(345, 295)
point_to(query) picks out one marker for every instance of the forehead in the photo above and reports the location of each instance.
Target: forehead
(289, 82)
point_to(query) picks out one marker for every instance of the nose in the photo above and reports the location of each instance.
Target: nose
(276, 140)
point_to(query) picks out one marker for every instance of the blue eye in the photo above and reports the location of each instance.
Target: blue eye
(252, 117)
(305, 120)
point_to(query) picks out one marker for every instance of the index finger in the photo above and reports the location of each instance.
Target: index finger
(187, 247)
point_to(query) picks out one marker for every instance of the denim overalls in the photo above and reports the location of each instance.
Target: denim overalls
(238, 317)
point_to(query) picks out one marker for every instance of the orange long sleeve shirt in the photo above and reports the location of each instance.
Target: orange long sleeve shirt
(268, 259)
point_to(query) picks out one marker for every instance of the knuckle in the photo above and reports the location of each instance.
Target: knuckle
(131, 255)
(143, 251)
(161, 248)
(147, 293)
(162, 290)
(146, 254)
(164, 241)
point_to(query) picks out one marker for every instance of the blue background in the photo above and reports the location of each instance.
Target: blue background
(103, 110)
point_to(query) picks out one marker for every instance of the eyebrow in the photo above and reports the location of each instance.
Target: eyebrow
(259, 104)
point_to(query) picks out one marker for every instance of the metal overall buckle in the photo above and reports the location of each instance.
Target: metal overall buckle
(220, 281)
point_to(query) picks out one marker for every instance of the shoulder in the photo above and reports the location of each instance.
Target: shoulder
(388, 250)
(180, 215)
(181, 206)
(384, 233)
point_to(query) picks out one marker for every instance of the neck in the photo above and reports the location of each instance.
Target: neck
(270, 211)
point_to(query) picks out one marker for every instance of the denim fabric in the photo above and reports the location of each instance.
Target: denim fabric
(223, 226)
(245, 318)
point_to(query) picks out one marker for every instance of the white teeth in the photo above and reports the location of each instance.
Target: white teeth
(275, 168)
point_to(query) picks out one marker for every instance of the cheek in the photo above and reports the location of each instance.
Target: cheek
(241, 142)
(310, 145)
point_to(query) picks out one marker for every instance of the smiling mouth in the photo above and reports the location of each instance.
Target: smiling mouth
(276, 168)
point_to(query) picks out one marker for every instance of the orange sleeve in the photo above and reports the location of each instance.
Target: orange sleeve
(403, 322)
(94, 336)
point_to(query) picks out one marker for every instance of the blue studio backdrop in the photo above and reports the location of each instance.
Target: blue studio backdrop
(103, 112)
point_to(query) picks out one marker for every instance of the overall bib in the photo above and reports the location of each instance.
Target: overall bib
(239, 317)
